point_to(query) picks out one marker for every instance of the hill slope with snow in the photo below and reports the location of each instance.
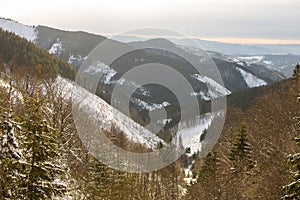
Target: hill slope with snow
(28, 32)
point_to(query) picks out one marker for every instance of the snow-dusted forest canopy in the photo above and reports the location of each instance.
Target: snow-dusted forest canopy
(42, 157)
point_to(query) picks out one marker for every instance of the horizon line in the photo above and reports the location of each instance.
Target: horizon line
(253, 41)
(227, 40)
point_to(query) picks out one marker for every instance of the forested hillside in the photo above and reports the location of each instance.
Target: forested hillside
(41, 155)
(18, 52)
(250, 160)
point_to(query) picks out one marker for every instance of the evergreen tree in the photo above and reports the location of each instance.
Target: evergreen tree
(11, 161)
(292, 190)
(96, 187)
(206, 186)
(240, 150)
(10, 157)
(296, 74)
(45, 169)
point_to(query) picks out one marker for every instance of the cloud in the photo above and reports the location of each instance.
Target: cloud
(275, 19)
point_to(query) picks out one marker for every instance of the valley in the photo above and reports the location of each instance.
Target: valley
(53, 86)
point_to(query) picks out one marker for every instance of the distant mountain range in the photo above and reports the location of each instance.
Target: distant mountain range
(225, 48)
(282, 63)
(74, 46)
(282, 57)
(237, 73)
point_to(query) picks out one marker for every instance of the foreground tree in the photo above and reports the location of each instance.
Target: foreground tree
(11, 160)
(292, 190)
(45, 169)
(240, 151)
(207, 186)
(10, 156)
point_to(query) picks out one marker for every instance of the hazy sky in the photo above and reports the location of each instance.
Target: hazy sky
(247, 21)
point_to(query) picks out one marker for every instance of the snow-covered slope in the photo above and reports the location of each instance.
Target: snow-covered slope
(251, 80)
(191, 136)
(149, 106)
(282, 63)
(76, 58)
(215, 89)
(100, 69)
(251, 59)
(238, 73)
(28, 32)
(106, 115)
(57, 48)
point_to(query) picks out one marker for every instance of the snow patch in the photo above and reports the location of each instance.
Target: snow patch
(191, 136)
(164, 121)
(57, 48)
(101, 70)
(78, 58)
(237, 61)
(268, 62)
(30, 33)
(215, 89)
(251, 59)
(149, 106)
(16, 95)
(190, 180)
(251, 80)
(107, 73)
(203, 95)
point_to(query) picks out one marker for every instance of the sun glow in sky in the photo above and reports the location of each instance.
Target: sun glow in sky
(254, 40)
(237, 21)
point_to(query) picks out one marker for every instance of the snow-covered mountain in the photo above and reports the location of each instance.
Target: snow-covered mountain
(28, 32)
(74, 48)
(281, 57)
(282, 63)
(106, 116)
(251, 80)
(230, 67)
(225, 48)
(237, 49)
(256, 68)
(70, 46)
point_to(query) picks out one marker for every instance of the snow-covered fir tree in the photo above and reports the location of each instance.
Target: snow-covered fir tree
(292, 190)
(11, 162)
(10, 156)
(45, 168)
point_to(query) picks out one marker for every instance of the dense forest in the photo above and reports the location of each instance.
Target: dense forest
(41, 156)
(18, 52)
